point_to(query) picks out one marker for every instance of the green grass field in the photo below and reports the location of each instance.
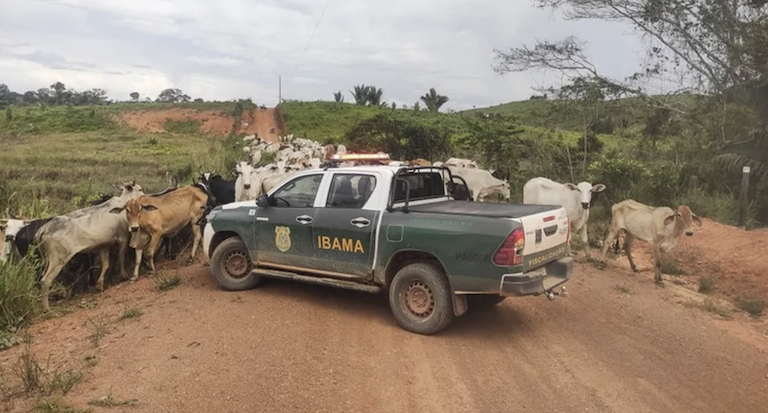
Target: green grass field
(48, 155)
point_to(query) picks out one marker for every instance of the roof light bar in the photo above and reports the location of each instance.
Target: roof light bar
(361, 157)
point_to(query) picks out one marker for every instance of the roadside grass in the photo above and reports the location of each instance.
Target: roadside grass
(110, 401)
(707, 285)
(36, 378)
(99, 329)
(166, 282)
(754, 307)
(131, 313)
(19, 297)
(56, 405)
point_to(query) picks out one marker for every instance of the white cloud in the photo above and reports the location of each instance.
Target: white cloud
(230, 49)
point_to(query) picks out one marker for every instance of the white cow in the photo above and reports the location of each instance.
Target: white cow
(661, 227)
(245, 187)
(461, 163)
(94, 228)
(575, 199)
(481, 184)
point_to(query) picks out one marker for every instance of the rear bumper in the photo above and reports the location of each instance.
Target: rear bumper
(538, 281)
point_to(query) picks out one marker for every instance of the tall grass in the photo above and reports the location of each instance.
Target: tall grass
(19, 294)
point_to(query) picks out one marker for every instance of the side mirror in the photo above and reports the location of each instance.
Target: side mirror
(262, 201)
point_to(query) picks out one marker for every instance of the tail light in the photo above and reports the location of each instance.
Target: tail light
(511, 252)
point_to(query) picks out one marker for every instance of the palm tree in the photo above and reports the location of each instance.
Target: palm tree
(360, 93)
(374, 95)
(433, 100)
(338, 97)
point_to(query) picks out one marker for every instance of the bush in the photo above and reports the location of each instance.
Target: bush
(717, 206)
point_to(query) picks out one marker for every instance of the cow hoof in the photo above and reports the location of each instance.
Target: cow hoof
(100, 288)
(660, 284)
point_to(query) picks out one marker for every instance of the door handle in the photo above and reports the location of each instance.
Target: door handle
(303, 219)
(360, 222)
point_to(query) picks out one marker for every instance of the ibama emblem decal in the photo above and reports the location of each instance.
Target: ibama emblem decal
(283, 238)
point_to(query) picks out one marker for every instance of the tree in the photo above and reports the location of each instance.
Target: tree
(401, 137)
(360, 94)
(416, 107)
(135, 96)
(171, 95)
(497, 142)
(338, 97)
(60, 94)
(367, 95)
(433, 100)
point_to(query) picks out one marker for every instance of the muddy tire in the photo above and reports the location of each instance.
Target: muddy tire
(480, 301)
(420, 299)
(231, 265)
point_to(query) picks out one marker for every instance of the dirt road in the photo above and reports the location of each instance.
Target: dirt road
(287, 347)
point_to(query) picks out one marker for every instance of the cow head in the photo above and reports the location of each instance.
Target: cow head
(585, 192)
(244, 170)
(131, 189)
(133, 210)
(684, 218)
(9, 229)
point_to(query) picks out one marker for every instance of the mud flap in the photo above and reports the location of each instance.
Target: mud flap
(459, 304)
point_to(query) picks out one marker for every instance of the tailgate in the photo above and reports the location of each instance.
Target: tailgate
(546, 234)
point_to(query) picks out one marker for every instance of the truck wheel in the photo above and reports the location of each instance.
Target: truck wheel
(231, 265)
(484, 300)
(420, 299)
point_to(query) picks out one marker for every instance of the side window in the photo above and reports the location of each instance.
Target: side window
(350, 190)
(298, 193)
(421, 185)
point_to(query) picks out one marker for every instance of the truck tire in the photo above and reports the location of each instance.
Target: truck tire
(420, 299)
(231, 265)
(481, 301)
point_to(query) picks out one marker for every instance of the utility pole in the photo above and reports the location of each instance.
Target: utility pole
(280, 89)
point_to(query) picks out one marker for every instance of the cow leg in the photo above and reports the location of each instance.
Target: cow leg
(54, 268)
(585, 240)
(657, 265)
(139, 252)
(121, 257)
(628, 238)
(104, 258)
(151, 252)
(613, 233)
(197, 237)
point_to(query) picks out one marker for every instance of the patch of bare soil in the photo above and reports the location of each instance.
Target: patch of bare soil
(616, 343)
(259, 122)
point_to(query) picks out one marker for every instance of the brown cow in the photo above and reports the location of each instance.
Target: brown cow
(150, 218)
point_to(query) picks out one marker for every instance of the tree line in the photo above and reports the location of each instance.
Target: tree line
(369, 95)
(58, 94)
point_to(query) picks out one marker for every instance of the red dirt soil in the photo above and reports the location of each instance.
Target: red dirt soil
(287, 346)
(258, 122)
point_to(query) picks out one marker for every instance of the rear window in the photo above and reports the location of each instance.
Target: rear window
(422, 186)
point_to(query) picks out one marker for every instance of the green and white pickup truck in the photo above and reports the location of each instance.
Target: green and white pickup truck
(392, 228)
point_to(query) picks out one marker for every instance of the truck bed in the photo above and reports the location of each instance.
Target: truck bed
(484, 209)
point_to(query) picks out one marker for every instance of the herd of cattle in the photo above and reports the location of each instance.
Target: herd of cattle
(69, 241)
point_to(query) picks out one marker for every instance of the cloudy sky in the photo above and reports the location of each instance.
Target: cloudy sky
(229, 49)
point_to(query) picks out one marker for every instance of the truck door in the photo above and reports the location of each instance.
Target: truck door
(284, 230)
(344, 228)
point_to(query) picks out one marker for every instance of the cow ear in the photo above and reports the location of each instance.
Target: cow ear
(696, 220)
(571, 186)
(116, 210)
(148, 207)
(668, 220)
(598, 188)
